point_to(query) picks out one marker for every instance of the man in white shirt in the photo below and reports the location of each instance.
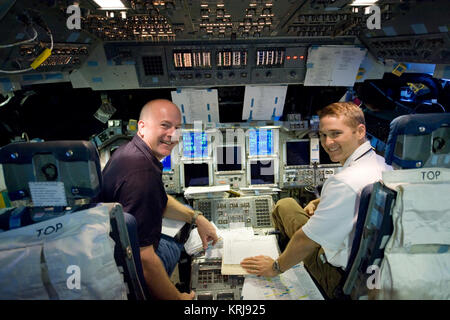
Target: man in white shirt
(321, 233)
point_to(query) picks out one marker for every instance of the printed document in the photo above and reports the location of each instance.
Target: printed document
(235, 250)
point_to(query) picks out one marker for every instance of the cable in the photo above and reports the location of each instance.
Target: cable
(38, 61)
(15, 71)
(51, 40)
(25, 137)
(20, 42)
(430, 104)
(37, 20)
(10, 95)
(26, 20)
(443, 108)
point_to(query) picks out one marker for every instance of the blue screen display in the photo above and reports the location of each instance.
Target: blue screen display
(261, 142)
(167, 166)
(195, 145)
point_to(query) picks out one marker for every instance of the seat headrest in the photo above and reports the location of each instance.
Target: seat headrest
(419, 140)
(74, 163)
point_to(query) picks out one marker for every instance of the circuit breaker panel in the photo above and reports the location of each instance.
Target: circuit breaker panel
(253, 211)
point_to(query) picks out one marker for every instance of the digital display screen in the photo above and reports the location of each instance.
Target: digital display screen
(261, 142)
(324, 158)
(228, 158)
(195, 145)
(229, 58)
(196, 174)
(167, 166)
(262, 172)
(297, 153)
(191, 59)
(270, 57)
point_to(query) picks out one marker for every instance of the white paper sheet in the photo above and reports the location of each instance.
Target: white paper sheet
(263, 102)
(333, 65)
(197, 105)
(194, 244)
(48, 193)
(244, 233)
(260, 189)
(235, 250)
(198, 190)
(320, 65)
(236, 233)
(214, 252)
(294, 284)
(171, 227)
(371, 69)
(347, 65)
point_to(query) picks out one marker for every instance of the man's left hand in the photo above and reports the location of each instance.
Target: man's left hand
(206, 231)
(259, 265)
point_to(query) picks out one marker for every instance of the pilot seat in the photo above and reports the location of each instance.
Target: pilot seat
(401, 243)
(54, 242)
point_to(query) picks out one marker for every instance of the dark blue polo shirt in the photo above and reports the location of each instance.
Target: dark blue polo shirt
(133, 177)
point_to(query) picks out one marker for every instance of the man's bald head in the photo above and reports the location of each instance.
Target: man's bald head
(158, 123)
(150, 108)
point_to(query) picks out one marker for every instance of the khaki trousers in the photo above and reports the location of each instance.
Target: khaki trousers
(288, 216)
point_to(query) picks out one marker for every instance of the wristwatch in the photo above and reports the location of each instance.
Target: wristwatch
(276, 267)
(195, 216)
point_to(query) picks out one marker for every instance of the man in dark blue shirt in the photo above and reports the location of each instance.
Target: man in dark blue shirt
(133, 177)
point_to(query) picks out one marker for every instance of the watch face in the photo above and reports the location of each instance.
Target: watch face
(275, 266)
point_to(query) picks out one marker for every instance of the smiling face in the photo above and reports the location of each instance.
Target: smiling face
(159, 125)
(339, 138)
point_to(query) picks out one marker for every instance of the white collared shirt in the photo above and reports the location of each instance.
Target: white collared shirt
(334, 220)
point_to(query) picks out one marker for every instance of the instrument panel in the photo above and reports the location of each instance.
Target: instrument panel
(209, 284)
(251, 211)
(268, 156)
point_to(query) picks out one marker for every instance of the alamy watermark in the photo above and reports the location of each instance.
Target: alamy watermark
(74, 20)
(374, 20)
(74, 280)
(373, 281)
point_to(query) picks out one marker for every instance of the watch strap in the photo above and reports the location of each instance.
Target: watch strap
(276, 267)
(195, 216)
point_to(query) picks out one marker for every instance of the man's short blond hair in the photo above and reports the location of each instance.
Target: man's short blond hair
(352, 113)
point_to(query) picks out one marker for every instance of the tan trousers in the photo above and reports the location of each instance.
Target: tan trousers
(288, 216)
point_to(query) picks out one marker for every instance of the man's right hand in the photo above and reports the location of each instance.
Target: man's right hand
(187, 296)
(311, 207)
(206, 231)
